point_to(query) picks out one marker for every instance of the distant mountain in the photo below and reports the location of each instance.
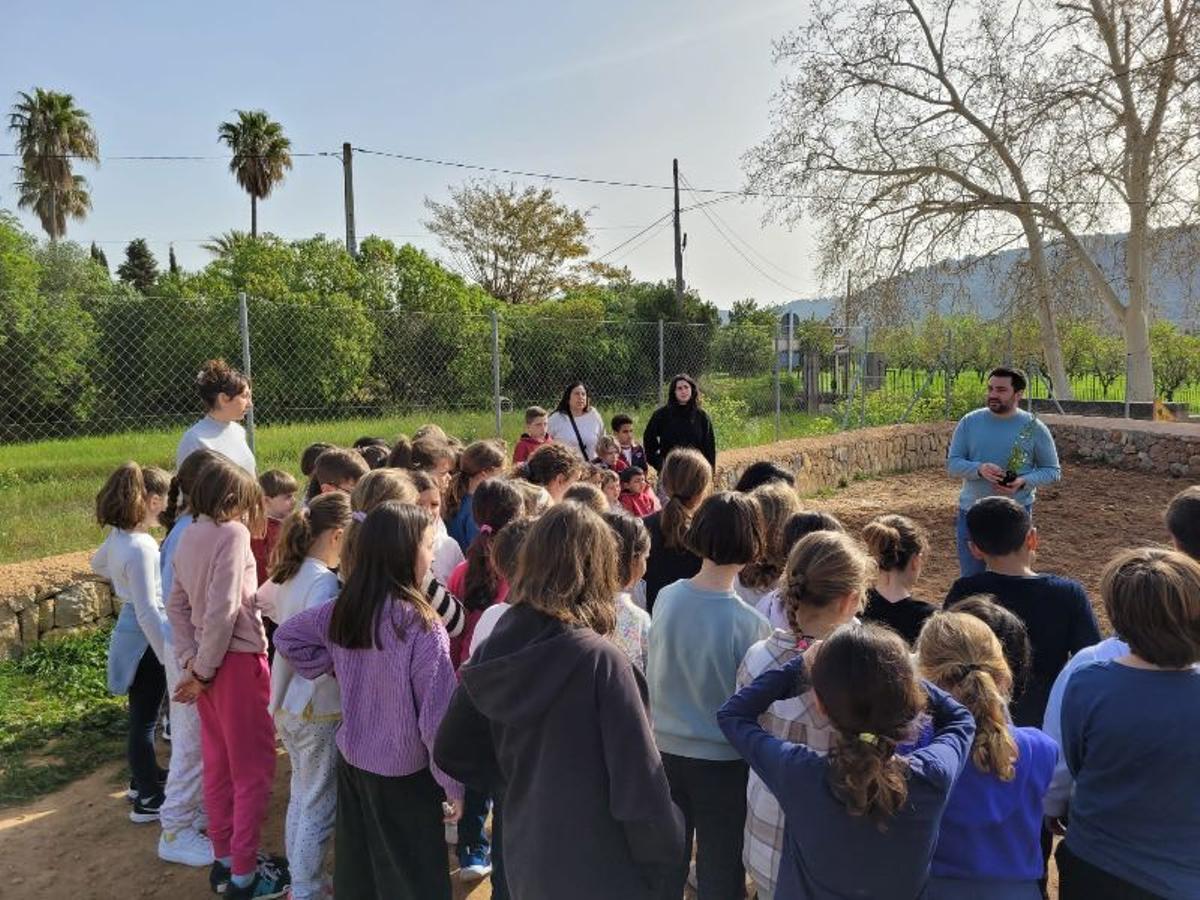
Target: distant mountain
(986, 285)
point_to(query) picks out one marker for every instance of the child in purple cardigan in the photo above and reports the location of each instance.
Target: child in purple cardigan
(391, 657)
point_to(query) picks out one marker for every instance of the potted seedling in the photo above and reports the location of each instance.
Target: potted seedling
(1018, 457)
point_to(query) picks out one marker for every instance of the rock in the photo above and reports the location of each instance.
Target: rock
(28, 621)
(45, 608)
(77, 605)
(10, 633)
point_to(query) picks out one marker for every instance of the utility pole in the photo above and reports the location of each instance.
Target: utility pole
(678, 240)
(348, 179)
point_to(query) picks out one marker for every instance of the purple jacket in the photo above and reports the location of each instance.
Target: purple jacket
(393, 698)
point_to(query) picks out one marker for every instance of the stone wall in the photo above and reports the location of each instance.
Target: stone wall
(832, 461)
(59, 597)
(1169, 448)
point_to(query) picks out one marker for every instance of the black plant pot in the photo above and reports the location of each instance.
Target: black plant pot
(1009, 477)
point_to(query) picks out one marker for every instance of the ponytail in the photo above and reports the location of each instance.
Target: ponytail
(686, 479)
(478, 457)
(893, 541)
(961, 655)
(496, 504)
(302, 528)
(863, 676)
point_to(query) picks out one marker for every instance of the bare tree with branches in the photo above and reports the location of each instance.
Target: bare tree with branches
(918, 130)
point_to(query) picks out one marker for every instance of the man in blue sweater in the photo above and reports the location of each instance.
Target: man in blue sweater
(991, 440)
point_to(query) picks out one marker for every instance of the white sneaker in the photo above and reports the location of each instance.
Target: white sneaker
(187, 847)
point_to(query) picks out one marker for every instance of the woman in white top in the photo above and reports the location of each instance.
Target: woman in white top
(575, 423)
(226, 395)
(306, 712)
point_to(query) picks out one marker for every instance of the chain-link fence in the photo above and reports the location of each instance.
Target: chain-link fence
(122, 364)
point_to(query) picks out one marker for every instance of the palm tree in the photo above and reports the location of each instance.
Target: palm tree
(260, 156)
(52, 132)
(225, 243)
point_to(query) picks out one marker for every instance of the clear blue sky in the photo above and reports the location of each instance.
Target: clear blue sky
(610, 90)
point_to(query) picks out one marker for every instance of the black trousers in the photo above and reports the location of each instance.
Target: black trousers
(390, 841)
(145, 700)
(1078, 879)
(712, 797)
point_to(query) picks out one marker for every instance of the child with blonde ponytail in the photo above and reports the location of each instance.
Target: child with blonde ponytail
(989, 845)
(862, 820)
(307, 713)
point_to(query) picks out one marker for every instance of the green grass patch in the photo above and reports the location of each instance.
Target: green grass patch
(58, 721)
(48, 489)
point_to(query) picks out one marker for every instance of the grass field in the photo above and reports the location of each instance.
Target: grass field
(47, 489)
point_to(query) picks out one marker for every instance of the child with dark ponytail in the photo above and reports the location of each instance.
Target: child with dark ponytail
(861, 821)
(476, 581)
(989, 844)
(306, 712)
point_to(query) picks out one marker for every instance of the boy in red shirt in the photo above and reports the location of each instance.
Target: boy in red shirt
(608, 454)
(636, 494)
(534, 436)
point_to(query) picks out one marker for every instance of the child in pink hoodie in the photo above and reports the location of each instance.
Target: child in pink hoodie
(222, 649)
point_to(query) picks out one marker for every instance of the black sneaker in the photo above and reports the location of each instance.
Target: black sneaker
(145, 809)
(132, 793)
(270, 880)
(220, 877)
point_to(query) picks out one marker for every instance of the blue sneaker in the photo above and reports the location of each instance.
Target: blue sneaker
(474, 864)
(271, 879)
(220, 878)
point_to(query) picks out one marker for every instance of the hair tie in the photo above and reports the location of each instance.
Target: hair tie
(486, 529)
(867, 738)
(358, 516)
(968, 668)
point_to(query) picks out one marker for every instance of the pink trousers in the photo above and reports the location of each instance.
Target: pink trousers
(237, 742)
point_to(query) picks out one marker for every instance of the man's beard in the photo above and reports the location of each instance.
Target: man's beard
(999, 406)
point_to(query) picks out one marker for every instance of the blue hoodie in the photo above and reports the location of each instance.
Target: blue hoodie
(991, 830)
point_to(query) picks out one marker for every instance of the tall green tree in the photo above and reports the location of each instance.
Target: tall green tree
(518, 245)
(98, 256)
(261, 156)
(172, 262)
(140, 268)
(51, 133)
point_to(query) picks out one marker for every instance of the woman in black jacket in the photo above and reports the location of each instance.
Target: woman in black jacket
(551, 716)
(680, 423)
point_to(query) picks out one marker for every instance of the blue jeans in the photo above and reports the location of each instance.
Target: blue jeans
(471, 836)
(968, 564)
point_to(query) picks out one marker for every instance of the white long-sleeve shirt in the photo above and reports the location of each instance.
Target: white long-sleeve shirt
(129, 560)
(312, 585)
(228, 438)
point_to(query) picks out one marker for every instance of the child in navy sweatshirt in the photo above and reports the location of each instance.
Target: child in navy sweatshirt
(989, 845)
(863, 820)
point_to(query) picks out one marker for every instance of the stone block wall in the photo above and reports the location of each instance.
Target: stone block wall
(1168, 448)
(61, 598)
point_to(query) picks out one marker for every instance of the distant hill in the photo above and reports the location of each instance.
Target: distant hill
(985, 285)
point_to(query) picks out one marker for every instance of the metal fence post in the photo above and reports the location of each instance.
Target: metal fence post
(791, 336)
(496, 370)
(778, 404)
(946, 375)
(862, 402)
(244, 328)
(662, 375)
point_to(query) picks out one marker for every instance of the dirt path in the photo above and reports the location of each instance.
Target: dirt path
(79, 844)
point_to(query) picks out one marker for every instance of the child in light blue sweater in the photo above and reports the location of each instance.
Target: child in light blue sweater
(699, 634)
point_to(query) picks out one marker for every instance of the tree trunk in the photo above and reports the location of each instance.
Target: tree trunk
(253, 217)
(1047, 329)
(1136, 323)
(1140, 368)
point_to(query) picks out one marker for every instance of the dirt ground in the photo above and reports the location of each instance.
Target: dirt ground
(79, 844)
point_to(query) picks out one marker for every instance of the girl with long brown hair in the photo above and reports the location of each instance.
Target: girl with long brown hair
(221, 646)
(551, 711)
(990, 840)
(862, 819)
(391, 656)
(479, 462)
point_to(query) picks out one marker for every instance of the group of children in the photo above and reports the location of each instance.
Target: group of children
(436, 636)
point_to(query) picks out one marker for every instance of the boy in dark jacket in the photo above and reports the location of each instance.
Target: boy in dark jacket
(535, 434)
(1055, 610)
(631, 452)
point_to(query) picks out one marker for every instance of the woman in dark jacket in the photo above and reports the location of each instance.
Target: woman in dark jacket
(680, 423)
(552, 717)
